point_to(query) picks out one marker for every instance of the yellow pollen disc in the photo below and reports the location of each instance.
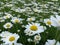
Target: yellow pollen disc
(8, 25)
(12, 38)
(33, 28)
(16, 20)
(49, 22)
(37, 37)
(6, 16)
(30, 19)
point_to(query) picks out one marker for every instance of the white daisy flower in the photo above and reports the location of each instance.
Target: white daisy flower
(7, 16)
(31, 19)
(18, 30)
(33, 29)
(8, 5)
(4, 34)
(52, 42)
(55, 21)
(11, 39)
(29, 40)
(7, 25)
(37, 37)
(48, 22)
(36, 10)
(27, 9)
(22, 10)
(58, 19)
(16, 20)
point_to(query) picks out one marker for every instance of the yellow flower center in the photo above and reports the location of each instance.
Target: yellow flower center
(8, 25)
(6, 16)
(49, 22)
(33, 28)
(16, 20)
(30, 19)
(37, 37)
(12, 38)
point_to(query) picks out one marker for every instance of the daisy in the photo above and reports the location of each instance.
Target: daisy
(29, 40)
(11, 39)
(7, 25)
(58, 20)
(37, 38)
(7, 16)
(33, 28)
(52, 42)
(48, 22)
(55, 21)
(36, 10)
(16, 20)
(31, 19)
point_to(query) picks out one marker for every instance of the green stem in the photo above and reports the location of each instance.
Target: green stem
(56, 34)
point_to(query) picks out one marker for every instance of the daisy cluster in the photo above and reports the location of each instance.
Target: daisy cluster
(29, 22)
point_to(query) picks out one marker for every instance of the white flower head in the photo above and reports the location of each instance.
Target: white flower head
(7, 16)
(58, 20)
(37, 37)
(16, 20)
(31, 19)
(11, 39)
(7, 25)
(29, 40)
(36, 10)
(55, 21)
(48, 22)
(33, 29)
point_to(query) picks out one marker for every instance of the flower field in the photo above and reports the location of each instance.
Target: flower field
(29, 22)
